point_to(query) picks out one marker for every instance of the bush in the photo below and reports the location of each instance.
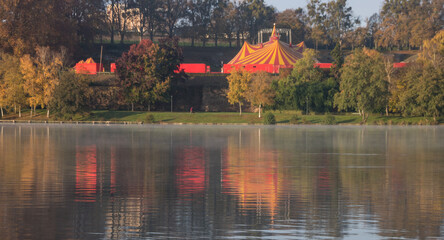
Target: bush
(294, 119)
(305, 120)
(150, 118)
(70, 96)
(269, 119)
(329, 120)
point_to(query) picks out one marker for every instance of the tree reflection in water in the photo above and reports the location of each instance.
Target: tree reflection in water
(82, 182)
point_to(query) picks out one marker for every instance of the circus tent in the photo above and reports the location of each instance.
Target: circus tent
(270, 56)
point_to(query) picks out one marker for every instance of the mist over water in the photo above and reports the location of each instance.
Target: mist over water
(189, 182)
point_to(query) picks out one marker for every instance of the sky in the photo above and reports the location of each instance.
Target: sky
(361, 8)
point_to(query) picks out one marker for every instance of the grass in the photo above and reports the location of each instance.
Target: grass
(284, 117)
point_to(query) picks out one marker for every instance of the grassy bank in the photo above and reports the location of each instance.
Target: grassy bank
(287, 117)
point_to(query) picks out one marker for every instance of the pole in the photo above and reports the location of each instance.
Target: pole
(100, 65)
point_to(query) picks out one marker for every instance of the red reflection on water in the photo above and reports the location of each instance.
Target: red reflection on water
(190, 173)
(254, 177)
(86, 173)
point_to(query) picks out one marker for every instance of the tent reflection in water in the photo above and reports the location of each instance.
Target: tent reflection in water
(270, 56)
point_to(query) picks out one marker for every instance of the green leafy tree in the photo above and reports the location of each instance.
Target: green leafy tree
(422, 86)
(71, 95)
(306, 88)
(295, 20)
(147, 69)
(316, 19)
(340, 20)
(363, 86)
(259, 92)
(238, 83)
(338, 61)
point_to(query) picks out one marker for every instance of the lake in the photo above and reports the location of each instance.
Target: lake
(221, 182)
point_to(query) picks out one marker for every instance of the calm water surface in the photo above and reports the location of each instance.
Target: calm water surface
(153, 182)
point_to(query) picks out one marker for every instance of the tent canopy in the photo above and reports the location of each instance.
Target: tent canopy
(269, 56)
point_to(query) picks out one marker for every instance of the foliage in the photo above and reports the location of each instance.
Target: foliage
(238, 82)
(294, 119)
(408, 23)
(269, 119)
(338, 61)
(150, 118)
(294, 20)
(422, 85)
(147, 69)
(12, 81)
(259, 92)
(329, 120)
(40, 74)
(307, 87)
(70, 96)
(363, 86)
(27, 24)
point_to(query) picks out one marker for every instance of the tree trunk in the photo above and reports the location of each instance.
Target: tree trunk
(260, 108)
(240, 108)
(20, 111)
(238, 39)
(215, 39)
(387, 111)
(30, 113)
(1, 109)
(132, 107)
(149, 107)
(47, 112)
(122, 37)
(15, 108)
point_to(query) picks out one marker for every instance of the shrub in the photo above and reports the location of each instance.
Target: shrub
(305, 120)
(269, 119)
(294, 119)
(329, 120)
(150, 118)
(70, 96)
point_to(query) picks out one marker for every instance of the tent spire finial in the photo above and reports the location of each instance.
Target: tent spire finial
(274, 35)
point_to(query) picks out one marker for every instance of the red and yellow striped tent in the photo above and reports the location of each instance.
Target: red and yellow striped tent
(270, 56)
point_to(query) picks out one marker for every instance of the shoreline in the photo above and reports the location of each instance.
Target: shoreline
(107, 123)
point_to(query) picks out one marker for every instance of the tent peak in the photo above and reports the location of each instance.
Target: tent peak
(274, 36)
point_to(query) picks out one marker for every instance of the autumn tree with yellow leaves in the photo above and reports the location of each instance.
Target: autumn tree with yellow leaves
(238, 83)
(259, 92)
(41, 75)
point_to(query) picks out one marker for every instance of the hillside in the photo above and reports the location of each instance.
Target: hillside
(212, 56)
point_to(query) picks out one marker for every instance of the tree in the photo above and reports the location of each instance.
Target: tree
(363, 86)
(33, 84)
(257, 15)
(71, 95)
(146, 15)
(238, 83)
(409, 23)
(422, 86)
(172, 11)
(316, 18)
(146, 70)
(13, 82)
(338, 61)
(293, 19)
(306, 87)
(259, 92)
(339, 20)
